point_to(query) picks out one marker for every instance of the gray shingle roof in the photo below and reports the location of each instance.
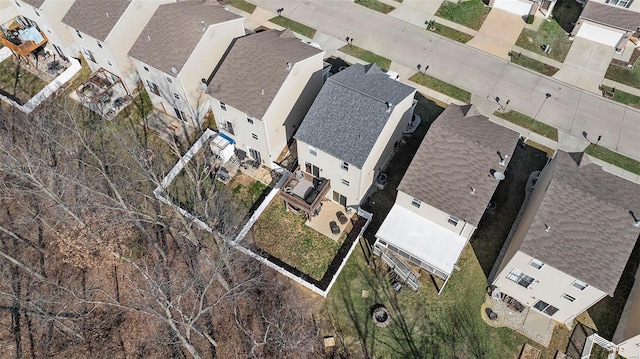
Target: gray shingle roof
(35, 3)
(457, 155)
(591, 232)
(349, 113)
(255, 68)
(161, 47)
(95, 18)
(615, 16)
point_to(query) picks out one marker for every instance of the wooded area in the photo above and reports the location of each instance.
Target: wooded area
(94, 266)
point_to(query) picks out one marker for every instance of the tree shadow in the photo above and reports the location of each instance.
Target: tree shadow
(566, 13)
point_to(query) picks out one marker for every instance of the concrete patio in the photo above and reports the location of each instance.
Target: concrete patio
(327, 214)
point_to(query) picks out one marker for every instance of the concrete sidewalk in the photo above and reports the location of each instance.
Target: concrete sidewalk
(570, 109)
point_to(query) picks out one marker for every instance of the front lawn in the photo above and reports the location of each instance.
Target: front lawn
(529, 123)
(294, 26)
(242, 5)
(453, 34)
(367, 56)
(534, 65)
(624, 75)
(614, 158)
(376, 5)
(471, 13)
(17, 83)
(551, 33)
(626, 98)
(441, 86)
(285, 236)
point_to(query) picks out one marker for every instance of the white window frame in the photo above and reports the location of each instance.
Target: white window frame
(453, 221)
(169, 80)
(569, 297)
(145, 68)
(416, 202)
(313, 151)
(344, 166)
(579, 285)
(250, 120)
(621, 3)
(109, 62)
(536, 264)
(520, 278)
(223, 106)
(345, 182)
(254, 136)
(176, 95)
(99, 44)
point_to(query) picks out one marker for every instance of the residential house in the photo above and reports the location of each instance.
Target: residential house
(444, 193)
(610, 22)
(525, 8)
(105, 31)
(573, 241)
(627, 334)
(352, 129)
(46, 16)
(261, 91)
(173, 67)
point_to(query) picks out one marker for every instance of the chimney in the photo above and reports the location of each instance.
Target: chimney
(389, 106)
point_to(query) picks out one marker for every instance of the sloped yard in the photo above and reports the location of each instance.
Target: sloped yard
(17, 83)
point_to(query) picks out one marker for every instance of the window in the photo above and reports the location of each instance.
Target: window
(89, 55)
(18, 4)
(109, 63)
(416, 202)
(520, 278)
(250, 120)
(254, 136)
(229, 127)
(176, 96)
(169, 80)
(145, 68)
(621, 3)
(313, 151)
(153, 88)
(37, 13)
(223, 107)
(180, 115)
(579, 284)
(382, 242)
(78, 33)
(536, 264)
(340, 198)
(99, 44)
(452, 220)
(344, 166)
(545, 308)
(345, 182)
(568, 297)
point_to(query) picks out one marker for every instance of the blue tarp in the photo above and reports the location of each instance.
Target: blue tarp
(226, 137)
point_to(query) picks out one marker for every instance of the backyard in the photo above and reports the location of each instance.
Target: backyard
(285, 236)
(17, 83)
(549, 33)
(471, 13)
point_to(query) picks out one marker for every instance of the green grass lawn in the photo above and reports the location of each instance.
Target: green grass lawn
(453, 34)
(368, 56)
(285, 236)
(242, 5)
(376, 5)
(534, 65)
(441, 86)
(614, 158)
(624, 75)
(529, 123)
(471, 13)
(550, 32)
(294, 26)
(17, 82)
(626, 98)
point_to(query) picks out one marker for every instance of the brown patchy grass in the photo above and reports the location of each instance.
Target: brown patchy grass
(285, 236)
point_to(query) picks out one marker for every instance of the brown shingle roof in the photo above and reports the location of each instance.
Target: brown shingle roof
(255, 68)
(174, 31)
(591, 233)
(95, 18)
(614, 16)
(458, 154)
(35, 3)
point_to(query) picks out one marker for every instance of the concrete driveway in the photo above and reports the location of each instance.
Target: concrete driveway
(586, 64)
(416, 12)
(498, 33)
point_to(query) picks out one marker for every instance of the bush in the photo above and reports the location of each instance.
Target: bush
(530, 19)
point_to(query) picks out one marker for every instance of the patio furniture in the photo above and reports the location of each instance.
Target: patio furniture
(341, 217)
(334, 227)
(491, 314)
